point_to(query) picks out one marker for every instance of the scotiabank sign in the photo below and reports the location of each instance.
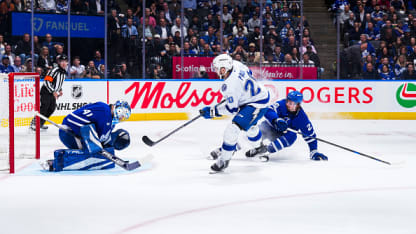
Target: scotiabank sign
(191, 66)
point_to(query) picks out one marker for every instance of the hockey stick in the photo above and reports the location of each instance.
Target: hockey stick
(120, 162)
(149, 142)
(339, 146)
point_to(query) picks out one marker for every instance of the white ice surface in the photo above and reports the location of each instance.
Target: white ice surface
(176, 194)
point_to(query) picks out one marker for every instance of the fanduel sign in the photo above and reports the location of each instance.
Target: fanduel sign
(57, 25)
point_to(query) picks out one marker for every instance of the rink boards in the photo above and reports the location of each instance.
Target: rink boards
(181, 99)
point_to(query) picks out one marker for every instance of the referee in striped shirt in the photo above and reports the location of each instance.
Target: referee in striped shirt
(52, 89)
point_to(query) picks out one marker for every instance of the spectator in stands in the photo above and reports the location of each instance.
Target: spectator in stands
(409, 73)
(18, 66)
(355, 33)
(5, 66)
(253, 22)
(44, 60)
(98, 60)
(398, 5)
(400, 65)
(349, 23)
(6, 6)
(289, 60)
(288, 46)
(386, 73)
(28, 66)
(149, 31)
(48, 5)
(95, 7)
(77, 70)
(313, 56)
(152, 20)
(2, 45)
(163, 30)
(24, 47)
(227, 46)
(61, 6)
(306, 60)
(295, 54)
(210, 38)
(360, 16)
(128, 29)
(305, 43)
(371, 32)
(177, 27)
(91, 71)
(8, 52)
(206, 51)
(51, 44)
(102, 71)
(370, 73)
(345, 15)
(19, 6)
(239, 26)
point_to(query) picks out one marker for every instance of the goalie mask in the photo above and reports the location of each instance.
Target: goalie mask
(122, 111)
(222, 65)
(293, 101)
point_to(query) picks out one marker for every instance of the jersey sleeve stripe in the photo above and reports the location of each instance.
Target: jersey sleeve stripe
(76, 116)
(75, 123)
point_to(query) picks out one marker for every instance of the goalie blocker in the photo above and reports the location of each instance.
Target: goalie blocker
(86, 132)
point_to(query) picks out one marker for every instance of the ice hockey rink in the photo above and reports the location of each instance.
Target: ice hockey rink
(174, 193)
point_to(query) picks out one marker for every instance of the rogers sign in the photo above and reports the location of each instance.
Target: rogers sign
(335, 94)
(154, 94)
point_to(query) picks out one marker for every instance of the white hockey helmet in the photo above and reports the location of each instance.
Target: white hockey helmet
(222, 61)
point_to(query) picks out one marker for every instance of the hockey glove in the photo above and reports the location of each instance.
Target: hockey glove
(280, 125)
(209, 112)
(315, 155)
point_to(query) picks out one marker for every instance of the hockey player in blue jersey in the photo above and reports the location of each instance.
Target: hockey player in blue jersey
(92, 125)
(246, 100)
(280, 116)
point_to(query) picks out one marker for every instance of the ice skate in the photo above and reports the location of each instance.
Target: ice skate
(219, 166)
(258, 152)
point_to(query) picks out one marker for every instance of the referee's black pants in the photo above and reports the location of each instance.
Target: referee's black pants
(47, 103)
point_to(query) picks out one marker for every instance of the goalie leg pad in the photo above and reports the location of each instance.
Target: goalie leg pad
(90, 140)
(248, 116)
(69, 141)
(75, 159)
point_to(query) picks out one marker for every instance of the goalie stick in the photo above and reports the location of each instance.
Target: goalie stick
(340, 146)
(149, 142)
(120, 162)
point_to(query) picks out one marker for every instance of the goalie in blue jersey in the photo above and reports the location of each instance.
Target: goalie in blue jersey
(89, 130)
(280, 116)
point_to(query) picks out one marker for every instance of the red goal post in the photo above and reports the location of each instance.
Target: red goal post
(19, 102)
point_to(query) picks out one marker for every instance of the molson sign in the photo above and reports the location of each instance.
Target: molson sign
(406, 95)
(180, 99)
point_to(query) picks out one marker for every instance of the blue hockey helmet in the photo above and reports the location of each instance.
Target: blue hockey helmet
(295, 96)
(122, 111)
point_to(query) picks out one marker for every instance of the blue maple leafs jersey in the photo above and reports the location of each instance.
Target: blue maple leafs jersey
(297, 122)
(98, 113)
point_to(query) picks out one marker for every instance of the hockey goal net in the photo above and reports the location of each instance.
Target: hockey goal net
(19, 101)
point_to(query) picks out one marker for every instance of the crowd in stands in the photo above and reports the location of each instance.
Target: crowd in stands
(283, 42)
(379, 37)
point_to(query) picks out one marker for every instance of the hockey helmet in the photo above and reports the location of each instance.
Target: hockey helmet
(222, 61)
(122, 111)
(295, 96)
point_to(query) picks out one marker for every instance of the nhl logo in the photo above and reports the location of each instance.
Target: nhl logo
(76, 91)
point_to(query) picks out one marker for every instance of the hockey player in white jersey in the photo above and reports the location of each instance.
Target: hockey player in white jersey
(245, 98)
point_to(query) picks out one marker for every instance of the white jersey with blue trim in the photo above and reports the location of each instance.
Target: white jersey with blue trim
(241, 88)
